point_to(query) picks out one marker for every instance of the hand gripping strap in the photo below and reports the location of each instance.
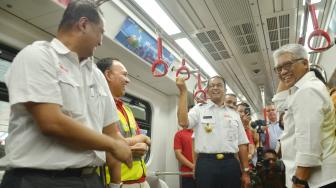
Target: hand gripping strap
(183, 69)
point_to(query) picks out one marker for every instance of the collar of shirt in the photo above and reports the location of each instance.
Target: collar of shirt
(60, 48)
(298, 84)
(210, 104)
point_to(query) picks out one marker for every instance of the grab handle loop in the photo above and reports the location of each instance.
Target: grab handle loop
(317, 32)
(183, 70)
(159, 61)
(200, 94)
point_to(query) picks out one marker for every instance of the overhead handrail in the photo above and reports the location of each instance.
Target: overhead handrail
(317, 32)
(160, 173)
(199, 91)
(159, 61)
(183, 70)
(304, 26)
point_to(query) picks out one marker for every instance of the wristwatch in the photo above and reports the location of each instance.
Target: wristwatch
(298, 181)
(247, 169)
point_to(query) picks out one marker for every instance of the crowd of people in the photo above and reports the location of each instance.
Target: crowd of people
(69, 127)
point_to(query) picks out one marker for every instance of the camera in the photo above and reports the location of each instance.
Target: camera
(257, 125)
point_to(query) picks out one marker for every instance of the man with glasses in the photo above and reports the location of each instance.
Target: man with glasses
(219, 135)
(308, 141)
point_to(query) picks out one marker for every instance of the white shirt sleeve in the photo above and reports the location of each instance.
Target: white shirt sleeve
(308, 117)
(110, 111)
(279, 101)
(32, 77)
(242, 137)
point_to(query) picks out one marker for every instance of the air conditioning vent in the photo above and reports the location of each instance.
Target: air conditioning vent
(216, 56)
(203, 38)
(210, 47)
(272, 23)
(212, 43)
(284, 21)
(225, 54)
(213, 35)
(247, 28)
(274, 45)
(278, 31)
(245, 37)
(220, 46)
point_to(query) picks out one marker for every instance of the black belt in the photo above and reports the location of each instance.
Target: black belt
(69, 172)
(218, 156)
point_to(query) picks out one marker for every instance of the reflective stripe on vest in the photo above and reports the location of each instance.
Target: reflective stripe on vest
(129, 130)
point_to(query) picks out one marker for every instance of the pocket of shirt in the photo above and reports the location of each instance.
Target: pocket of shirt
(70, 95)
(97, 99)
(232, 133)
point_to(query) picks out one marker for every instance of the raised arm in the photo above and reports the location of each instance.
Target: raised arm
(182, 111)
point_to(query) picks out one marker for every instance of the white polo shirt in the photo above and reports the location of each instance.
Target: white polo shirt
(48, 72)
(308, 138)
(227, 129)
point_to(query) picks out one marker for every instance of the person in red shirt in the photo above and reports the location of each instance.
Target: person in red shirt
(184, 154)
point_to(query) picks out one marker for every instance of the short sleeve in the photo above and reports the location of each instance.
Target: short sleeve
(242, 137)
(177, 141)
(33, 77)
(110, 111)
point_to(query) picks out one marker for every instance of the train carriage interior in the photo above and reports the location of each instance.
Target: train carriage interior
(231, 38)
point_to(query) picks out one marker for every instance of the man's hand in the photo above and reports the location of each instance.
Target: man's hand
(139, 149)
(145, 139)
(245, 180)
(180, 83)
(122, 152)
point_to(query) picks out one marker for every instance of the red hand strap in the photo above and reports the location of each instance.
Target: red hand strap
(159, 61)
(183, 69)
(317, 32)
(200, 91)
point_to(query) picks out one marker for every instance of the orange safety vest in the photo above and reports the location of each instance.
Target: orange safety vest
(129, 130)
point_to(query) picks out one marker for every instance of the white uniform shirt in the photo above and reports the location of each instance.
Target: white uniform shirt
(227, 129)
(308, 138)
(274, 132)
(49, 73)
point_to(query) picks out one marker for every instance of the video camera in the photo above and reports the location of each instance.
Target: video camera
(257, 124)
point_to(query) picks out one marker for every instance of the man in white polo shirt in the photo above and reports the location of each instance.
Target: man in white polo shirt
(308, 142)
(63, 117)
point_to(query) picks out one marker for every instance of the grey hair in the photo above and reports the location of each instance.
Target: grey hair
(297, 50)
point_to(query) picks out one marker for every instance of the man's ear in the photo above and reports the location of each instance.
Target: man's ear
(306, 63)
(108, 75)
(82, 24)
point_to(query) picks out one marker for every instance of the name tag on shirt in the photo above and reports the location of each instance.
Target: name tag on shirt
(207, 117)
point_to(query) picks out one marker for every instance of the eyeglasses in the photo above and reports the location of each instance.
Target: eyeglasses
(287, 65)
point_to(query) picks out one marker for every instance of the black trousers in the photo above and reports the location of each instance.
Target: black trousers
(188, 182)
(15, 179)
(214, 173)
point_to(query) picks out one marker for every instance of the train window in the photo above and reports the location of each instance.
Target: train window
(143, 114)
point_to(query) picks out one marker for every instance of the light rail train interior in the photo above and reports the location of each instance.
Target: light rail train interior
(231, 38)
